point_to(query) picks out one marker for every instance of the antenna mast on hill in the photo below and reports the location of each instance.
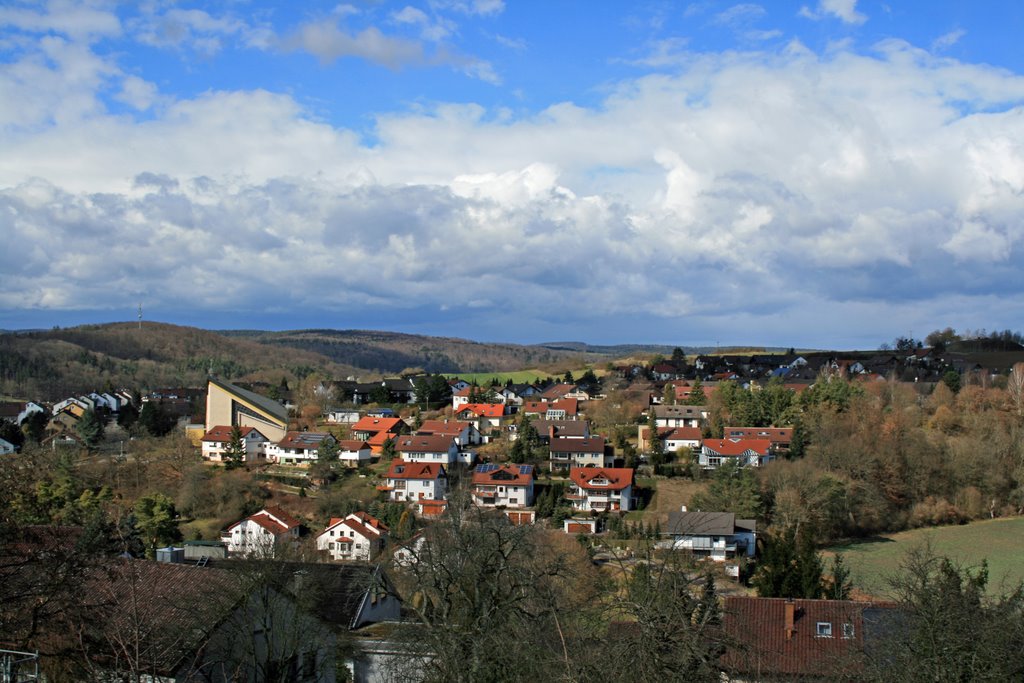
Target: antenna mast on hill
(140, 316)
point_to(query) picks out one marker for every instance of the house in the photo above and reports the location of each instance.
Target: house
(341, 416)
(464, 433)
(557, 392)
(354, 453)
(679, 416)
(503, 486)
(157, 621)
(428, 448)
(6, 447)
(297, 448)
(414, 481)
(228, 404)
(672, 438)
(562, 409)
(790, 639)
(17, 412)
(218, 439)
(716, 535)
(587, 452)
(259, 534)
(369, 427)
(780, 437)
(359, 536)
(601, 489)
(744, 452)
(565, 429)
(486, 417)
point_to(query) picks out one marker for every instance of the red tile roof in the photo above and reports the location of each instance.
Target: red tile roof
(738, 446)
(618, 477)
(400, 469)
(377, 424)
(482, 409)
(273, 519)
(424, 443)
(450, 427)
(776, 636)
(223, 433)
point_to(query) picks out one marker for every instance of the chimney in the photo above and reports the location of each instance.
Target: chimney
(790, 616)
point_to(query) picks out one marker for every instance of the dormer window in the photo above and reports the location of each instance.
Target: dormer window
(824, 629)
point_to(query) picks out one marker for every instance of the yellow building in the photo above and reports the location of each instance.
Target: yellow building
(229, 405)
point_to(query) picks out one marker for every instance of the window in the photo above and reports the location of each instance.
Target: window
(824, 629)
(847, 630)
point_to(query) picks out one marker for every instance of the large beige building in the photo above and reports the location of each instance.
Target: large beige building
(228, 405)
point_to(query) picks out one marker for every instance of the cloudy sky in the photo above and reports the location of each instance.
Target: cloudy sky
(830, 174)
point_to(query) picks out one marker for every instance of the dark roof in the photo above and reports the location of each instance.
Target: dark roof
(695, 523)
(182, 604)
(268, 405)
(590, 444)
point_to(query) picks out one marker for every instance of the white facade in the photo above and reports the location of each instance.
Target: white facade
(217, 440)
(351, 539)
(258, 534)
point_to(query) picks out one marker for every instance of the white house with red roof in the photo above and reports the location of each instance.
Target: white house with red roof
(508, 486)
(464, 433)
(297, 448)
(354, 453)
(601, 488)
(369, 427)
(415, 481)
(260, 533)
(562, 409)
(486, 417)
(427, 448)
(358, 537)
(744, 452)
(217, 440)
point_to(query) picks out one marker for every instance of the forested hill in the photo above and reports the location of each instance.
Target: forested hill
(392, 352)
(51, 364)
(54, 363)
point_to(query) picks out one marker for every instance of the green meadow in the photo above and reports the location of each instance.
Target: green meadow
(999, 541)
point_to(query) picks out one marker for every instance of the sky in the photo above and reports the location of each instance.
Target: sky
(827, 174)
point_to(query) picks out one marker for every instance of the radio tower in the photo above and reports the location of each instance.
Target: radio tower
(140, 316)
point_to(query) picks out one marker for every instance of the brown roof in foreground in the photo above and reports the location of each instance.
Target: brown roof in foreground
(764, 644)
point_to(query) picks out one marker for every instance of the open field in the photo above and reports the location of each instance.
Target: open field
(997, 540)
(518, 377)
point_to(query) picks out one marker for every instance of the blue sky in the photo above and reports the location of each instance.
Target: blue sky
(831, 173)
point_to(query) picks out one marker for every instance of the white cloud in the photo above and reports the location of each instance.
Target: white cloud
(948, 40)
(805, 185)
(844, 10)
(329, 42)
(739, 14)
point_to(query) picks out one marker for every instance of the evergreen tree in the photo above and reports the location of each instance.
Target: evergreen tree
(656, 447)
(234, 454)
(34, 426)
(154, 419)
(697, 395)
(155, 517)
(127, 416)
(839, 588)
(90, 428)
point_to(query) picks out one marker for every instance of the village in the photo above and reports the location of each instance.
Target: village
(553, 455)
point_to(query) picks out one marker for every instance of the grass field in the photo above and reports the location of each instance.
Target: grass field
(518, 377)
(995, 540)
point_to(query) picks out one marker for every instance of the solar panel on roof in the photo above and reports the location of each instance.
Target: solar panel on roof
(525, 469)
(484, 469)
